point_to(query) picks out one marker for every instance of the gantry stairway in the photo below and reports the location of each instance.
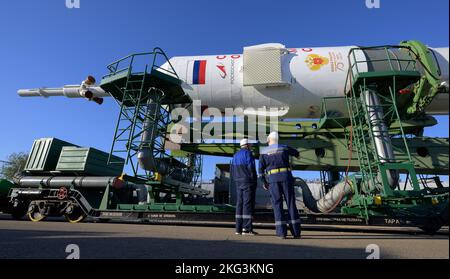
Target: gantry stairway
(375, 82)
(146, 87)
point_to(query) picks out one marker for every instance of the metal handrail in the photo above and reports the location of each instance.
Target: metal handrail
(388, 58)
(353, 63)
(324, 103)
(113, 67)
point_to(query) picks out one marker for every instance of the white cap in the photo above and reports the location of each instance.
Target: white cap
(274, 136)
(244, 142)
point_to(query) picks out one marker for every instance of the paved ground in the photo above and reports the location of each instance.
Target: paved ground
(24, 239)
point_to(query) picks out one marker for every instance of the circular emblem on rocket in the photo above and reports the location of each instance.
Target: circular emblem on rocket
(315, 61)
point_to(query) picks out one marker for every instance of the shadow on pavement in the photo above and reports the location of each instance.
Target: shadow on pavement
(19, 244)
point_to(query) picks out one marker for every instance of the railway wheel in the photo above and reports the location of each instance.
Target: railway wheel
(35, 215)
(76, 216)
(432, 226)
(431, 230)
(18, 214)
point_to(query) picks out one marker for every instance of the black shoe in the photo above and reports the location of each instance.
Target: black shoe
(249, 233)
(298, 237)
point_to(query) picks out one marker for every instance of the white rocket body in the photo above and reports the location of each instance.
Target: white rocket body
(291, 81)
(308, 75)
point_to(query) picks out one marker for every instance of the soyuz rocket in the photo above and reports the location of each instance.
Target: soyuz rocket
(290, 81)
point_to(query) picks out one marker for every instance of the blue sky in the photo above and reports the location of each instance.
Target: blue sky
(45, 44)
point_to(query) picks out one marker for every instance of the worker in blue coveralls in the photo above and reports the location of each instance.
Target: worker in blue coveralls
(276, 177)
(245, 178)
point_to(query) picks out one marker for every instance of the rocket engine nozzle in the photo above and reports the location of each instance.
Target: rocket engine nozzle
(89, 95)
(98, 100)
(90, 80)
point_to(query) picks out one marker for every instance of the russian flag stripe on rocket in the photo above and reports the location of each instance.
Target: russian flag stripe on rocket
(199, 72)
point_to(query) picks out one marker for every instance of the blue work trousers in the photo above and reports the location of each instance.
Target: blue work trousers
(278, 192)
(245, 204)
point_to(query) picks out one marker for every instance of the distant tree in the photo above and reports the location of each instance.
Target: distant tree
(15, 163)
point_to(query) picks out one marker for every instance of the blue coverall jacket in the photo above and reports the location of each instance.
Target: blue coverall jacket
(243, 167)
(276, 156)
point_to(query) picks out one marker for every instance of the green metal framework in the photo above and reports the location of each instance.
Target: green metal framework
(374, 195)
(429, 84)
(132, 115)
(385, 84)
(141, 85)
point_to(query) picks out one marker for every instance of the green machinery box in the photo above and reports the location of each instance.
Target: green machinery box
(44, 155)
(88, 161)
(5, 186)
